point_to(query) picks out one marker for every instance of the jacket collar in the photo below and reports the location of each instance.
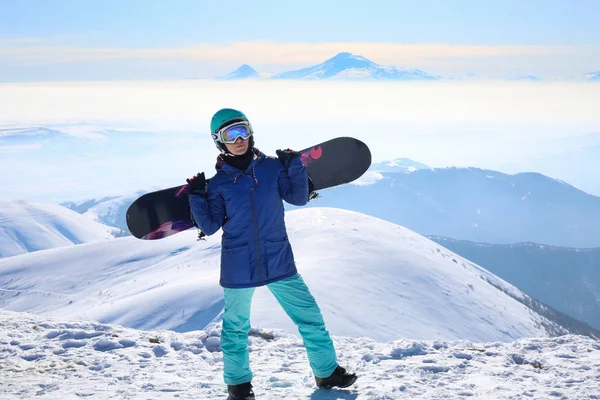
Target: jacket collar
(234, 172)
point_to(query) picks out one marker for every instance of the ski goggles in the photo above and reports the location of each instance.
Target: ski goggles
(230, 133)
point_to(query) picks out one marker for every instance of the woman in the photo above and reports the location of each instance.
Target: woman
(244, 198)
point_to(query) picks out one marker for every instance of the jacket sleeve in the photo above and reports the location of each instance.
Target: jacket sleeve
(208, 212)
(293, 183)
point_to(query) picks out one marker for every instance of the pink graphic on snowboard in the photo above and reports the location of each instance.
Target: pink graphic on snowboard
(311, 154)
(168, 228)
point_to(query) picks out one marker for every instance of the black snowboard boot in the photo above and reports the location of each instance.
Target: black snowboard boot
(339, 378)
(243, 391)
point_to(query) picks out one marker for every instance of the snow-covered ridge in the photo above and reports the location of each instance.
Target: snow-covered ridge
(398, 165)
(27, 226)
(343, 66)
(61, 359)
(353, 264)
(474, 204)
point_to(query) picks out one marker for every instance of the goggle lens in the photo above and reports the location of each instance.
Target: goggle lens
(231, 133)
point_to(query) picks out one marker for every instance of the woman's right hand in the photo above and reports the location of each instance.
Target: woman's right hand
(197, 184)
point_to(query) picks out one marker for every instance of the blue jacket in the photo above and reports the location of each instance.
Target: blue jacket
(248, 206)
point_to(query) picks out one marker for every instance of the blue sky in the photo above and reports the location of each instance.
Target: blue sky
(176, 22)
(60, 39)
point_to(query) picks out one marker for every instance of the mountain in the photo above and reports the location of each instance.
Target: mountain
(475, 204)
(398, 165)
(243, 72)
(566, 279)
(28, 226)
(109, 211)
(370, 277)
(348, 66)
(67, 359)
(463, 203)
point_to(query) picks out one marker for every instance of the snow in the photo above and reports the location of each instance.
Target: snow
(368, 178)
(27, 226)
(61, 358)
(126, 318)
(370, 277)
(398, 165)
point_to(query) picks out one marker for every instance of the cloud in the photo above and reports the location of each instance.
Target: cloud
(23, 147)
(165, 126)
(274, 53)
(82, 131)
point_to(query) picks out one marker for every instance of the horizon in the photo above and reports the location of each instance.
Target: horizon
(61, 40)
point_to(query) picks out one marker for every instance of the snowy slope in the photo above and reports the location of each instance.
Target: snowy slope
(370, 277)
(567, 279)
(398, 165)
(63, 359)
(27, 226)
(348, 66)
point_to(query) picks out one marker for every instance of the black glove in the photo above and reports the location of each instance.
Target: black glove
(196, 184)
(285, 156)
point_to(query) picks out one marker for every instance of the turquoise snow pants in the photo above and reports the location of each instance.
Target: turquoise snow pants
(299, 304)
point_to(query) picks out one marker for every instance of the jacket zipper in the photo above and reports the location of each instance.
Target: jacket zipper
(255, 233)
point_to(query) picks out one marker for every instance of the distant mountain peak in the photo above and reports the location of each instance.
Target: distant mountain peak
(242, 72)
(349, 66)
(398, 165)
(346, 56)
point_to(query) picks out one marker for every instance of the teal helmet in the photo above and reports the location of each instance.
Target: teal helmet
(221, 119)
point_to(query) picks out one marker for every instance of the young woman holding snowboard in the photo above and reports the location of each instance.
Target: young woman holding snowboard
(245, 199)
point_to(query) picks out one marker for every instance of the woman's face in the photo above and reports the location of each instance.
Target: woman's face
(239, 147)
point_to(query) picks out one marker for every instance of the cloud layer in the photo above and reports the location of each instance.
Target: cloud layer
(81, 139)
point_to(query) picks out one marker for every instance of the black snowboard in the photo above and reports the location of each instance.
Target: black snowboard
(165, 212)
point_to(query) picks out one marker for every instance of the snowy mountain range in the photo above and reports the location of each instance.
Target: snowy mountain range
(353, 264)
(566, 279)
(349, 66)
(27, 226)
(475, 204)
(343, 66)
(462, 203)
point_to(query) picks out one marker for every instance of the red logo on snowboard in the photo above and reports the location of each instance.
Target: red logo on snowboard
(312, 154)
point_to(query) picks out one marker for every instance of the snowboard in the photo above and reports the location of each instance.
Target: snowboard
(163, 213)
